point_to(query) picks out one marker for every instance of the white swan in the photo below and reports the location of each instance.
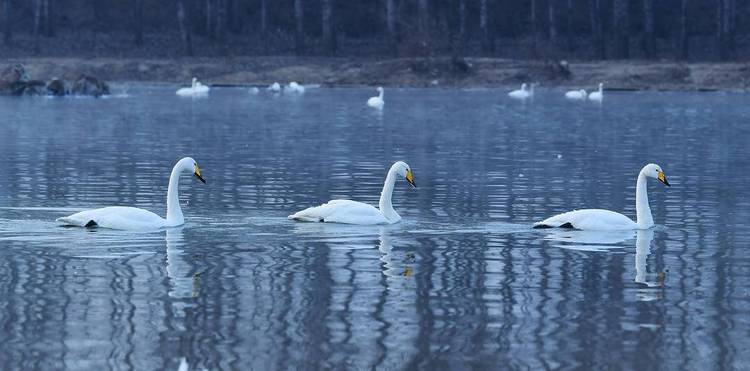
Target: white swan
(274, 88)
(254, 90)
(195, 89)
(295, 88)
(131, 218)
(576, 95)
(377, 102)
(522, 93)
(598, 95)
(352, 212)
(598, 219)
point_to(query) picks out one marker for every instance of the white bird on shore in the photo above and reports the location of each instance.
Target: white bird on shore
(576, 95)
(598, 95)
(377, 102)
(522, 93)
(295, 88)
(274, 88)
(605, 220)
(195, 89)
(352, 212)
(131, 218)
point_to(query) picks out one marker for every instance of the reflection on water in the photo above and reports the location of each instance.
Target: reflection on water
(462, 282)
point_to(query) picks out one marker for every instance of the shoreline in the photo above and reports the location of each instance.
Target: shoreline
(400, 72)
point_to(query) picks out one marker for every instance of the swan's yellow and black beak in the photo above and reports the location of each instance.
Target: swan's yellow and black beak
(197, 174)
(410, 178)
(662, 178)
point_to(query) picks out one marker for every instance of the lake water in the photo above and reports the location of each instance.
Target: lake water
(462, 282)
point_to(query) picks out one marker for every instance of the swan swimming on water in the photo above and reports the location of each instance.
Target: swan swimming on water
(274, 88)
(352, 212)
(598, 219)
(131, 218)
(377, 102)
(295, 88)
(576, 94)
(195, 89)
(522, 93)
(598, 95)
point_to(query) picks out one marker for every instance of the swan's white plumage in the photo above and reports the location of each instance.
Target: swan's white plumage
(598, 95)
(131, 218)
(274, 88)
(598, 219)
(576, 95)
(295, 88)
(377, 102)
(522, 93)
(342, 211)
(195, 89)
(590, 219)
(353, 212)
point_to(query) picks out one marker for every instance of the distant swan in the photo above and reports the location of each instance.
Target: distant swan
(131, 218)
(522, 93)
(274, 88)
(377, 102)
(195, 89)
(352, 212)
(295, 88)
(598, 219)
(576, 95)
(254, 90)
(598, 95)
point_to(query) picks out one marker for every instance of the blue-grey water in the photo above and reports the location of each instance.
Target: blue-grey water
(462, 282)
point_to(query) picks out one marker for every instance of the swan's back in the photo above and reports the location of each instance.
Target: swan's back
(341, 211)
(588, 219)
(115, 217)
(375, 102)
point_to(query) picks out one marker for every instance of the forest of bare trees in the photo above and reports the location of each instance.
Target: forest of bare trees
(578, 29)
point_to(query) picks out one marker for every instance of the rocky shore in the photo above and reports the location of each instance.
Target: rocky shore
(411, 72)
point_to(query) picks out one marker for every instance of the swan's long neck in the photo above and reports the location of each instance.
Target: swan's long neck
(381, 94)
(386, 206)
(174, 212)
(642, 209)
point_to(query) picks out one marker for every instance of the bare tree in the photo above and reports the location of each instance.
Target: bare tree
(726, 28)
(390, 15)
(8, 30)
(552, 21)
(597, 28)
(620, 23)
(37, 22)
(327, 15)
(264, 24)
(569, 27)
(209, 18)
(187, 42)
(534, 53)
(462, 25)
(649, 39)
(47, 27)
(221, 19)
(487, 40)
(138, 4)
(299, 34)
(424, 17)
(684, 39)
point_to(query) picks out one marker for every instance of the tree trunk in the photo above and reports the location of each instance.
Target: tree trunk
(724, 12)
(47, 29)
(570, 36)
(8, 30)
(299, 34)
(264, 24)
(552, 21)
(209, 18)
(597, 28)
(462, 26)
(390, 16)
(138, 22)
(424, 17)
(534, 53)
(328, 39)
(485, 27)
(187, 42)
(684, 40)
(37, 22)
(649, 40)
(620, 22)
(221, 19)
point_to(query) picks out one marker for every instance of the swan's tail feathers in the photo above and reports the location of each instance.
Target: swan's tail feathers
(540, 225)
(300, 217)
(544, 225)
(70, 222)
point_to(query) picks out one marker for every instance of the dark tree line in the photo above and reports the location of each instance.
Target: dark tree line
(599, 29)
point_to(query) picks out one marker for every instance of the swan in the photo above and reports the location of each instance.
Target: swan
(254, 90)
(522, 93)
(295, 88)
(196, 88)
(598, 219)
(576, 95)
(131, 218)
(274, 88)
(352, 212)
(598, 95)
(377, 102)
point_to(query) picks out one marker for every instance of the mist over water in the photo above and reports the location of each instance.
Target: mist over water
(461, 282)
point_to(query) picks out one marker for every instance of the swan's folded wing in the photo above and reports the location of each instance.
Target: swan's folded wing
(341, 211)
(588, 219)
(114, 217)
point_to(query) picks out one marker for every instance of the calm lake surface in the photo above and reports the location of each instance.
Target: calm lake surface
(462, 282)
